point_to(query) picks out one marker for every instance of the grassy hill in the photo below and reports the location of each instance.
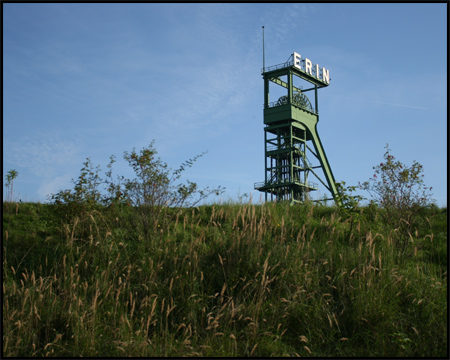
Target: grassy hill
(222, 280)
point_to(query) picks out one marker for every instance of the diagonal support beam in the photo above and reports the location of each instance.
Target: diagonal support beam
(325, 164)
(312, 152)
(284, 84)
(318, 178)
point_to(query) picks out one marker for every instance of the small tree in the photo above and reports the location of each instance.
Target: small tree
(400, 190)
(85, 195)
(156, 187)
(10, 177)
(395, 186)
(153, 188)
(349, 203)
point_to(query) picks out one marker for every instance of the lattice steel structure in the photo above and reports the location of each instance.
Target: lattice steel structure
(290, 130)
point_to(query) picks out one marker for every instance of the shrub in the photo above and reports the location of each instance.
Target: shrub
(400, 190)
(154, 187)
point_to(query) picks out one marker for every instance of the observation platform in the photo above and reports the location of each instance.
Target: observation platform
(271, 186)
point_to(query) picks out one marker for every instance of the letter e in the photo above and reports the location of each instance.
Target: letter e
(297, 60)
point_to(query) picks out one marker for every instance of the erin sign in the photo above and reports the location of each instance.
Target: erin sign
(311, 69)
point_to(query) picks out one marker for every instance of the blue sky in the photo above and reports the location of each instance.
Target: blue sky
(94, 80)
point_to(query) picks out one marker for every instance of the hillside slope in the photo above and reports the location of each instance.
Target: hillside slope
(222, 280)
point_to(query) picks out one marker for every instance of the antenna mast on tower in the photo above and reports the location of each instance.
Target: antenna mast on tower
(264, 61)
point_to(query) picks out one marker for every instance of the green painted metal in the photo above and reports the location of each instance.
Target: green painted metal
(290, 124)
(284, 84)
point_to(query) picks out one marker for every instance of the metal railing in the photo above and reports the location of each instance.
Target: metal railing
(259, 185)
(276, 147)
(278, 66)
(312, 185)
(286, 147)
(309, 185)
(273, 104)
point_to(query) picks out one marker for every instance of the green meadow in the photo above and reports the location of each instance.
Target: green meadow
(222, 280)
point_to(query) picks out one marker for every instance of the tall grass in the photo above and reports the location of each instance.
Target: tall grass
(222, 280)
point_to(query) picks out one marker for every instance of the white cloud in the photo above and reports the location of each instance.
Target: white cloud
(54, 185)
(401, 105)
(42, 154)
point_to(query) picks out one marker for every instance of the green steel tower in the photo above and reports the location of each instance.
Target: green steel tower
(290, 132)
